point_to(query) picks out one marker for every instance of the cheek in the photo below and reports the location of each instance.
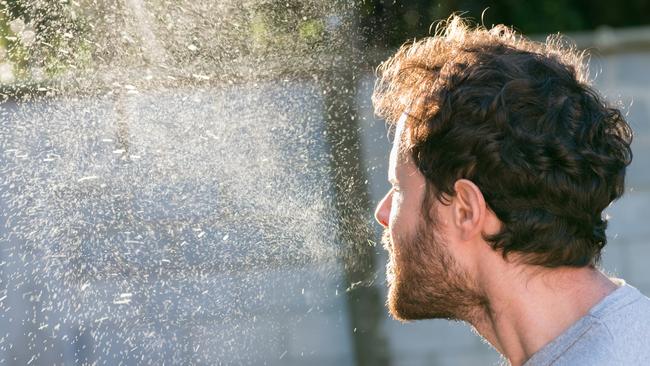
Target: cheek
(405, 213)
(396, 209)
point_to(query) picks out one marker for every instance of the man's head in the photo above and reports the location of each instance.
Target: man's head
(501, 144)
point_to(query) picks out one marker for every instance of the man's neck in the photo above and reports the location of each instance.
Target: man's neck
(526, 314)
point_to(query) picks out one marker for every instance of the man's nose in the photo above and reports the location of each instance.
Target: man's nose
(382, 213)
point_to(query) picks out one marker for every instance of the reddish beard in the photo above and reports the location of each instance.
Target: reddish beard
(425, 281)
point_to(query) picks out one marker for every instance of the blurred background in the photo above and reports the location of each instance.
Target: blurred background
(192, 182)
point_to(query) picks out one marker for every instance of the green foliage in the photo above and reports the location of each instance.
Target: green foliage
(42, 39)
(311, 30)
(288, 25)
(388, 23)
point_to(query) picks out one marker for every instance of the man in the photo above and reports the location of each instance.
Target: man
(503, 161)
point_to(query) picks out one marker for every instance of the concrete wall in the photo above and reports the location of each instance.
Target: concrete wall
(621, 75)
(259, 285)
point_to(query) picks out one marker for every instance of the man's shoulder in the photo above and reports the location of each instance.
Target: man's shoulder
(615, 332)
(626, 319)
(624, 311)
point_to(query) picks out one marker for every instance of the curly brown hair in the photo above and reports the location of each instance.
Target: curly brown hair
(519, 119)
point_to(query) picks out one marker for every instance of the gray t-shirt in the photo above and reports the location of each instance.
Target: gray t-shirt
(616, 331)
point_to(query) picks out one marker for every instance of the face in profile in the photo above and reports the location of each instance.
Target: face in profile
(424, 279)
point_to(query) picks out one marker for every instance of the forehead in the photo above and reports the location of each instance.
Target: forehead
(397, 152)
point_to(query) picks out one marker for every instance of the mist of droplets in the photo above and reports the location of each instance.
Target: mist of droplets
(168, 191)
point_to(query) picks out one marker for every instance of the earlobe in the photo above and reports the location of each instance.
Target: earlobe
(470, 208)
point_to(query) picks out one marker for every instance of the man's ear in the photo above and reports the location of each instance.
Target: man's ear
(469, 209)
